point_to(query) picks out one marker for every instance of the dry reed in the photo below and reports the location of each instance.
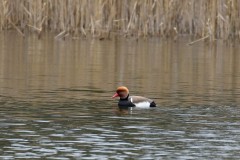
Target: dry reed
(101, 18)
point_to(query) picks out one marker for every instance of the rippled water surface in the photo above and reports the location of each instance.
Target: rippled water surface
(55, 99)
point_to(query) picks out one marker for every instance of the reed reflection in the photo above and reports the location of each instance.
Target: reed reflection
(171, 72)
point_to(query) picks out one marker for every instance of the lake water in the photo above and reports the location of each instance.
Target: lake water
(55, 99)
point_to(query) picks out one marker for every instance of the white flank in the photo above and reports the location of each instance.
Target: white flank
(144, 104)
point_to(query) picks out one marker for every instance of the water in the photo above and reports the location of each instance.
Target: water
(55, 99)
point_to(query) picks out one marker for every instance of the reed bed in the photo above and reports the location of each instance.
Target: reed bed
(211, 19)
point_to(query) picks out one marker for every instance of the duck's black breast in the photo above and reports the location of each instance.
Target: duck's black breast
(125, 103)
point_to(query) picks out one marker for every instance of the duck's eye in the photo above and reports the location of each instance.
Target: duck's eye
(121, 93)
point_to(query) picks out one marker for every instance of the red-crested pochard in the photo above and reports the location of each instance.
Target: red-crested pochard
(132, 101)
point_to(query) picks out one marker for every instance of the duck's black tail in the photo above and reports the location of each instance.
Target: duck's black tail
(153, 104)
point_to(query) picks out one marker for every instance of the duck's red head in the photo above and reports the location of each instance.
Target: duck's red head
(121, 92)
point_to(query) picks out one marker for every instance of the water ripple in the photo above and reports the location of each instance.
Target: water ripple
(176, 132)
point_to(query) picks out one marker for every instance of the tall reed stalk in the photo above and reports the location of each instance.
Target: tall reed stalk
(102, 18)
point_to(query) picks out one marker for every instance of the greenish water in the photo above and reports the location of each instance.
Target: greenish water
(55, 99)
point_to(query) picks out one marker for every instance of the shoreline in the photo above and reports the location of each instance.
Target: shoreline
(127, 18)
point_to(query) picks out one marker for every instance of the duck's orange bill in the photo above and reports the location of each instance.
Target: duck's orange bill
(115, 95)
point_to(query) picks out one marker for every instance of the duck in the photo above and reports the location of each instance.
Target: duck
(126, 100)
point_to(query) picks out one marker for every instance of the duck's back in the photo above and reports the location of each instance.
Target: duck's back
(140, 101)
(136, 101)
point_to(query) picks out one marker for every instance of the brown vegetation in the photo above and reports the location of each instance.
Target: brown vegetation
(102, 18)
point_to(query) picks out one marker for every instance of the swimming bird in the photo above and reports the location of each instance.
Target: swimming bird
(126, 100)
